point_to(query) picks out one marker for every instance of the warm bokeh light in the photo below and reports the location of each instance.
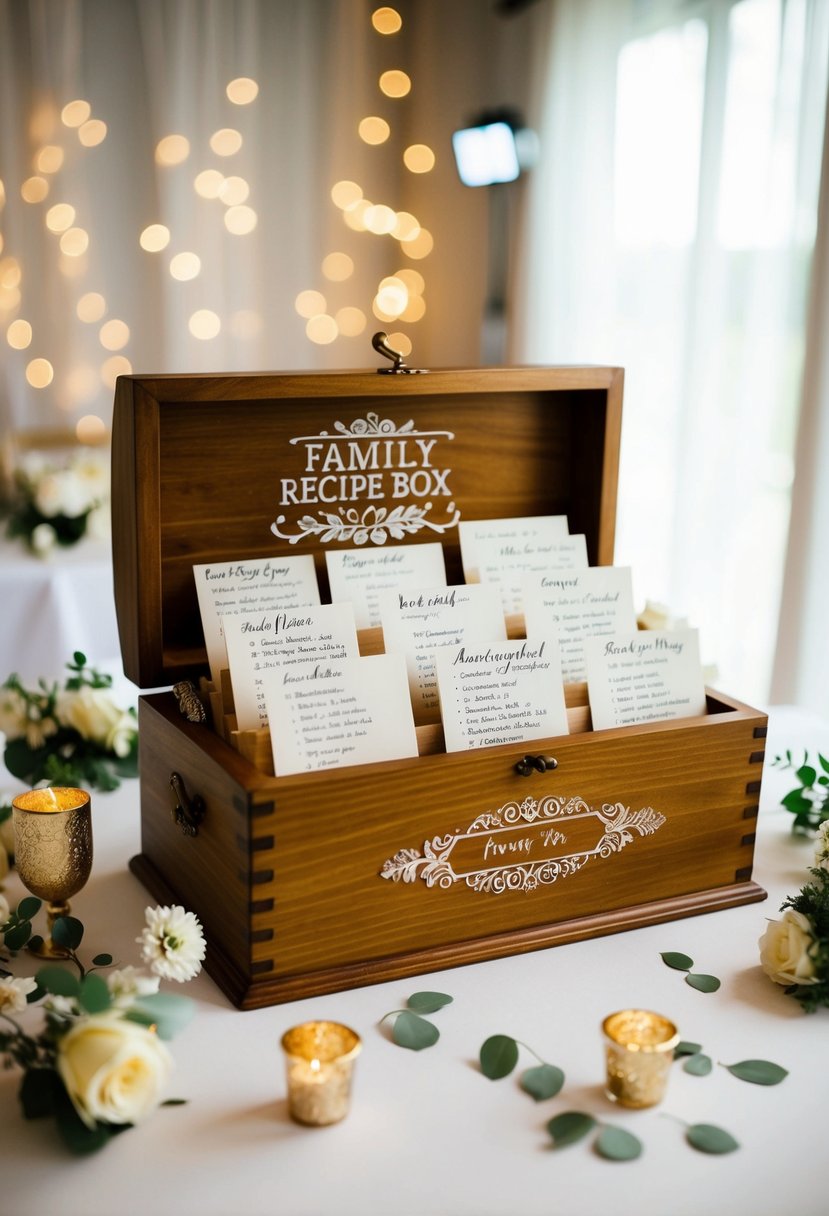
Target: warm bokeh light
(90, 429)
(92, 133)
(91, 307)
(73, 266)
(19, 334)
(392, 296)
(309, 303)
(34, 189)
(114, 367)
(75, 113)
(40, 373)
(406, 226)
(60, 217)
(114, 334)
(208, 183)
(234, 190)
(240, 220)
(42, 122)
(242, 91)
(413, 279)
(414, 310)
(337, 267)
(185, 266)
(355, 216)
(154, 238)
(350, 321)
(2, 195)
(401, 342)
(246, 324)
(172, 150)
(395, 83)
(322, 329)
(49, 159)
(386, 20)
(419, 158)
(345, 194)
(380, 219)
(380, 314)
(373, 130)
(9, 298)
(10, 273)
(204, 324)
(74, 242)
(226, 142)
(82, 383)
(421, 246)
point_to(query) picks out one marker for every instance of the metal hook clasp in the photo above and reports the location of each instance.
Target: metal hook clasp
(535, 764)
(188, 812)
(398, 367)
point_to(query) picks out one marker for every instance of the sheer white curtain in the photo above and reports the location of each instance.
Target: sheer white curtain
(669, 229)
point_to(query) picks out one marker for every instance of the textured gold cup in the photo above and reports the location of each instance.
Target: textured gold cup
(639, 1046)
(53, 850)
(319, 1063)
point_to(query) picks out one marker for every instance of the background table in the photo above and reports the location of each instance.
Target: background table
(428, 1135)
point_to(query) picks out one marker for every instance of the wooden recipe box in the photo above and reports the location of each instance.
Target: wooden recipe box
(324, 881)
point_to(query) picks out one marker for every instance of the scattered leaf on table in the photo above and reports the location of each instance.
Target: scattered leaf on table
(414, 1032)
(570, 1127)
(698, 1065)
(499, 1055)
(542, 1082)
(759, 1072)
(703, 983)
(710, 1139)
(102, 960)
(616, 1144)
(428, 1002)
(685, 1048)
(679, 962)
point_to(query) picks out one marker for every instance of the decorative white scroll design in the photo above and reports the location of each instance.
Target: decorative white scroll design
(372, 424)
(434, 864)
(375, 524)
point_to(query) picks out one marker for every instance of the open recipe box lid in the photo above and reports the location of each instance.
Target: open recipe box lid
(218, 468)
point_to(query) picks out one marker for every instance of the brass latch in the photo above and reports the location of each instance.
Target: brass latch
(188, 812)
(398, 367)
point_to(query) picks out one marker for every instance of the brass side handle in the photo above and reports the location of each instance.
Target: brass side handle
(188, 812)
(535, 764)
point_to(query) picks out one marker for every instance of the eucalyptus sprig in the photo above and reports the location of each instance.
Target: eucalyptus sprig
(681, 962)
(758, 1072)
(410, 1029)
(613, 1143)
(809, 800)
(499, 1056)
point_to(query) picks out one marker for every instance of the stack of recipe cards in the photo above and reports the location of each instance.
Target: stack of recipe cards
(504, 551)
(574, 605)
(248, 588)
(647, 676)
(360, 575)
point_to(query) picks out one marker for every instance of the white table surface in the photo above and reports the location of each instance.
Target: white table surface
(428, 1135)
(53, 606)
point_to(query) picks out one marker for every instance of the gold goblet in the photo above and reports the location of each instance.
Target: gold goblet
(53, 850)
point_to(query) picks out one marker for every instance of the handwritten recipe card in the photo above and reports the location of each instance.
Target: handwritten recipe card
(360, 575)
(417, 623)
(241, 588)
(505, 693)
(512, 533)
(647, 676)
(506, 566)
(331, 715)
(575, 605)
(256, 644)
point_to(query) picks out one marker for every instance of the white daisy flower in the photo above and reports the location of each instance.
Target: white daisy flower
(172, 943)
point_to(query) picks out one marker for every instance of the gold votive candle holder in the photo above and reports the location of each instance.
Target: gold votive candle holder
(639, 1048)
(319, 1063)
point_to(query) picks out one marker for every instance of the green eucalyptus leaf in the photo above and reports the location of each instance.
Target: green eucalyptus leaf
(806, 775)
(410, 1030)
(428, 1002)
(35, 942)
(759, 1072)
(169, 1014)
(824, 763)
(37, 995)
(616, 1144)
(67, 932)
(679, 962)
(80, 660)
(17, 937)
(698, 1065)
(570, 1127)
(498, 1055)
(703, 983)
(685, 1048)
(29, 907)
(542, 1082)
(710, 1139)
(796, 802)
(58, 982)
(77, 1137)
(102, 960)
(94, 995)
(175, 1102)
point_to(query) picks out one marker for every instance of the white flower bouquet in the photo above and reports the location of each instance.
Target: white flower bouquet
(73, 736)
(99, 1064)
(794, 951)
(56, 502)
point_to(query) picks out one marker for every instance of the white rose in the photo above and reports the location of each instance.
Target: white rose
(48, 496)
(91, 712)
(114, 1070)
(13, 718)
(75, 499)
(822, 846)
(99, 524)
(13, 994)
(120, 737)
(787, 950)
(43, 539)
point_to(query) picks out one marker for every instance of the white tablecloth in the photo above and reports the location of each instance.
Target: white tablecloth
(54, 606)
(428, 1135)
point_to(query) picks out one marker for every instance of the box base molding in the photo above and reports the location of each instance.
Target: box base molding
(260, 992)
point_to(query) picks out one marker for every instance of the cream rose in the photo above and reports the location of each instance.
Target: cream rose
(114, 1070)
(787, 948)
(95, 716)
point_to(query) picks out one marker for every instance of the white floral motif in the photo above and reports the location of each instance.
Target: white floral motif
(375, 524)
